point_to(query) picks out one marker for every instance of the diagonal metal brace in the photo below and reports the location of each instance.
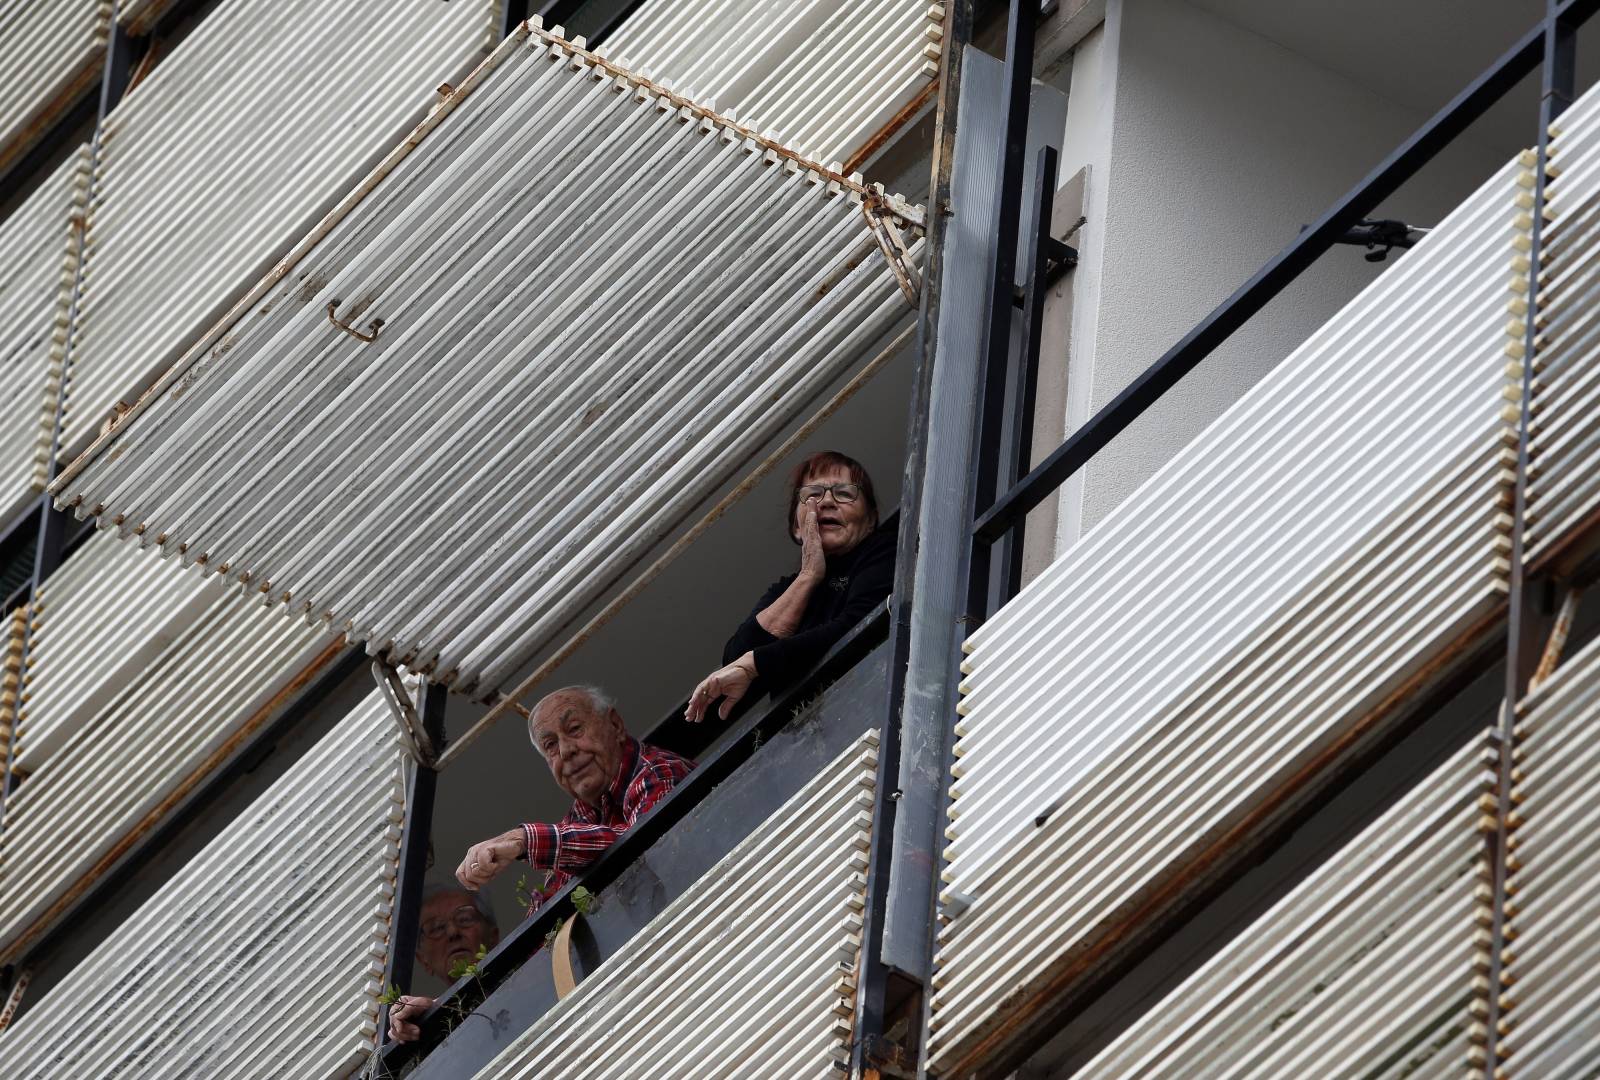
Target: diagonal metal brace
(894, 248)
(393, 689)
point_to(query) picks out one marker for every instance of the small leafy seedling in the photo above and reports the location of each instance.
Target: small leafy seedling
(390, 995)
(583, 900)
(462, 968)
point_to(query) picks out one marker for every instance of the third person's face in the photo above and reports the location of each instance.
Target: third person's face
(842, 525)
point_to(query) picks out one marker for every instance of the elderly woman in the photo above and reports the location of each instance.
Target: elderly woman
(846, 570)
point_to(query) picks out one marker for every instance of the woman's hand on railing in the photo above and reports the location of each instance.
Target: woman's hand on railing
(729, 683)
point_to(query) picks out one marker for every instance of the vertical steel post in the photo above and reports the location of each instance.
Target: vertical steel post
(984, 589)
(415, 838)
(1023, 375)
(1560, 49)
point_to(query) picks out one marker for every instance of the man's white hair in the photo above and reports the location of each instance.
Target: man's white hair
(600, 701)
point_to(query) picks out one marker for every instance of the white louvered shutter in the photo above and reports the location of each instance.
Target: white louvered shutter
(597, 303)
(263, 955)
(1364, 970)
(140, 680)
(236, 143)
(824, 75)
(51, 53)
(1230, 627)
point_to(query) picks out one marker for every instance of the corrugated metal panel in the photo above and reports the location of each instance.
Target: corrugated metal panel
(102, 617)
(51, 53)
(749, 973)
(1364, 970)
(141, 680)
(227, 153)
(1553, 963)
(38, 261)
(263, 955)
(597, 303)
(1564, 485)
(823, 75)
(1272, 590)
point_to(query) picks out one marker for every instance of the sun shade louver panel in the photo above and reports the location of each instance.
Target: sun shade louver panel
(825, 76)
(750, 973)
(572, 312)
(38, 261)
(286, 913)
(102, 617)
(1553, 960)
(1564, 434)
(234, 145)
(1364, 969)
(1259, 605)
(141, 681)
(51, 53)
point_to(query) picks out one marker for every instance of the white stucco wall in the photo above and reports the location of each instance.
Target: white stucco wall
(1208, 146)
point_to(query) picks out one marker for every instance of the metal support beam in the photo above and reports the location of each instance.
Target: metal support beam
(414, 843)
(1558, 40)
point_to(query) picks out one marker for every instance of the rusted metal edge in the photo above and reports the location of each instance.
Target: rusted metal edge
(242, 307)
(509, 702)
(888, 131)
(1550, 659)
(894, 249)
(1020, 1013)
(895, 203)
(14, 999)
(131, 839)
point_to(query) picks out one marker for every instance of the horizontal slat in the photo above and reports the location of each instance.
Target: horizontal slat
(741, 975)
(1219, 637)
(236, 143)
(823, 75)
(284, 914)
(598, 302)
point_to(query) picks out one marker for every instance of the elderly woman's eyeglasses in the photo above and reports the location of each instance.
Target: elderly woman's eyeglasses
(842, 493)
(462, 918)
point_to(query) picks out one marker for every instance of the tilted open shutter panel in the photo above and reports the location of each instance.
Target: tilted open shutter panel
(103, 616)
(284, 915)
(38, 261)
(824, 75)
(597, 304)
(749, 973)
(51, 54)
(135, 691)
(1553, 962)
(1256, 604)
(236, 143)
(1364, 970)
(1564, 484)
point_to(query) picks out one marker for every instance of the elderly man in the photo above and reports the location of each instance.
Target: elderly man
(612, 778)
(455, 923)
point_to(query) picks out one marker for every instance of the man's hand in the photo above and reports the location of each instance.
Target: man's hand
(403, 1015)
(728, 683)
(486, 859)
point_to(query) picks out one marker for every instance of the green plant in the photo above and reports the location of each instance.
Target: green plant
(463, 968)
(390, 995)
(584, 900)
(523, 896)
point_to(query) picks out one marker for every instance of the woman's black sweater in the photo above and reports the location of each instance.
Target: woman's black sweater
(856, 583)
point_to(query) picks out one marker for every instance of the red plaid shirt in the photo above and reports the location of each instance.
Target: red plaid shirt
(647, 773)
